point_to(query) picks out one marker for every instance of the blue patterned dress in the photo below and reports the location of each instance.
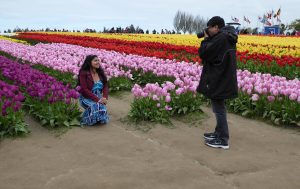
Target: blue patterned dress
(94, 112)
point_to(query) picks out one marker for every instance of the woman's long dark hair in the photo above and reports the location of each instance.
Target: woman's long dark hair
(86, 66)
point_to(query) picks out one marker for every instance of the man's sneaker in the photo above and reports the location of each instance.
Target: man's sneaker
(210, 136)
(217, 143)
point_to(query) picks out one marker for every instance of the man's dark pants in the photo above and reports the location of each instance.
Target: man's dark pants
(219, 109)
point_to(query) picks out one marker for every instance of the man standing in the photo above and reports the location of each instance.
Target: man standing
(218, 79)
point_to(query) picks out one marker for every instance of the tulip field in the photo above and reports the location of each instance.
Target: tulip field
(38, 74)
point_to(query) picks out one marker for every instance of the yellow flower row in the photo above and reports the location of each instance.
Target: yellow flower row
(13, 40)
(269, 49)
(254, 44)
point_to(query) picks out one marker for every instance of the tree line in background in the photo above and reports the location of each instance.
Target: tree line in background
(132, 29)
(128, 29)
(182, 22)
(186, 22)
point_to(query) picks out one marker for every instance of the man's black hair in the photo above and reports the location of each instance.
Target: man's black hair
(216, 21)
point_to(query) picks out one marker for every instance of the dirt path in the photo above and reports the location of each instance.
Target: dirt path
(116, 156)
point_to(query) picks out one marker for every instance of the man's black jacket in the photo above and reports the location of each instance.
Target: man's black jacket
(218, 53)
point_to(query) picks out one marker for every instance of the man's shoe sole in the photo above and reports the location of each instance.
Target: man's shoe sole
(208, 138)
(217, 146)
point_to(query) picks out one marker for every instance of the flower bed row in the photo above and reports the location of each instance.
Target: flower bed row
(11, 116)
(272, 90)
(274, 45)
(13, 40)
(46, 98)
(287, 66)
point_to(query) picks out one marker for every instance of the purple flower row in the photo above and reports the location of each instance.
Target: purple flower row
(10, 97)
(36, 83)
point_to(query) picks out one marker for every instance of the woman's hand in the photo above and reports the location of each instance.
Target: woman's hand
(103, 101)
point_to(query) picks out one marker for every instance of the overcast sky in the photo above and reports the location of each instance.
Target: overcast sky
(148, 14)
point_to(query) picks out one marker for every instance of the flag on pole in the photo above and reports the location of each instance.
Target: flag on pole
(248, 21)
(270, 14)
(235, 19)
(264, 19)
(278, 12)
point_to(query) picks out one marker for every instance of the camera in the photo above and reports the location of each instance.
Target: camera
(202, 34)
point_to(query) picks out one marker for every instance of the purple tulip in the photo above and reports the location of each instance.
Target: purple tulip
(8, 100)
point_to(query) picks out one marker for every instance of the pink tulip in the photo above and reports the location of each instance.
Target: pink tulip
(168, 108)
(271, 98)
(168, 99)
(155, 98)
(255, 97)
(293, 96)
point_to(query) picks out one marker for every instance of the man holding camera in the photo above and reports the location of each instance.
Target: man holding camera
(218, 80)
